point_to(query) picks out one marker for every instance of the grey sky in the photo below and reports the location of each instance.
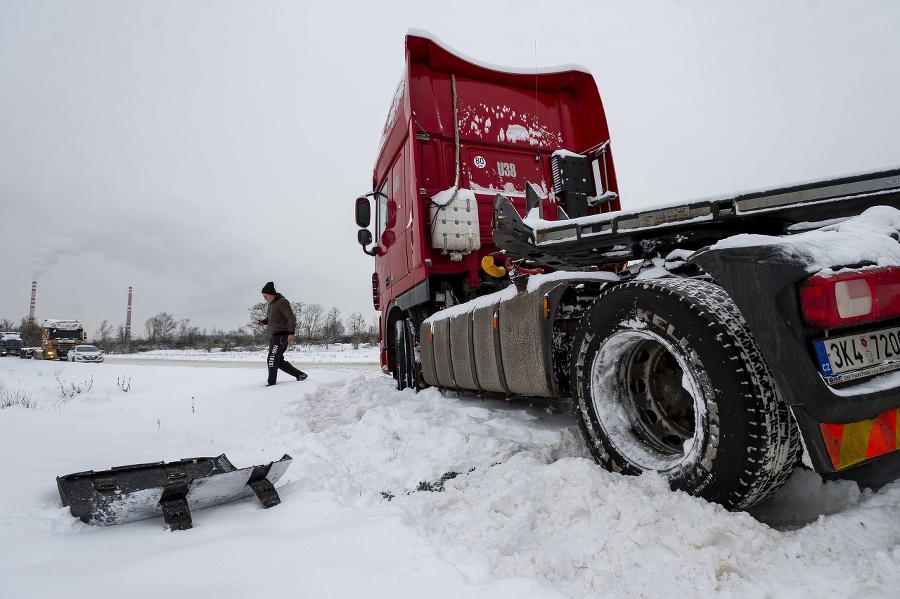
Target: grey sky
(197, 149)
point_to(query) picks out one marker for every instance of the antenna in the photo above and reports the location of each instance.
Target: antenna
(536, 105)
(537, 117)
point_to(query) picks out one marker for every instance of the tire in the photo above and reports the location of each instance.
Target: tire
(667, 377)
(405, 352)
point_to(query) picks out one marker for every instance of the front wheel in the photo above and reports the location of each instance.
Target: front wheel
(667, 378)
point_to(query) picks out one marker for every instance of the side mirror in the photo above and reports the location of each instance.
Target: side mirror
(363, 214)
(364, 237)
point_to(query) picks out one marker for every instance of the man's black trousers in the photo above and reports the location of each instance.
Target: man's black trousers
(277, 346)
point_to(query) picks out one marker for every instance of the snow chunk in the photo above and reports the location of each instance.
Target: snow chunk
(517, 133)
(870, 237)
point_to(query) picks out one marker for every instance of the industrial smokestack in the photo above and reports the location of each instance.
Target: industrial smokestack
(128, 318)
(31, 310)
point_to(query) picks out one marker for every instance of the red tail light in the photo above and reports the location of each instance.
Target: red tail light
(851, 297)
(376, 297)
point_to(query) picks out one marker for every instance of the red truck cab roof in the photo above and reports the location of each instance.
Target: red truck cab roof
(514, 116)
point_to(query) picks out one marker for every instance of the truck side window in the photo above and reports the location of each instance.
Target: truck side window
(381, 211)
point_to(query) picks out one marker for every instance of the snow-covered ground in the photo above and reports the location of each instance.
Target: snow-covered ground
(529, 514)
(338, 353)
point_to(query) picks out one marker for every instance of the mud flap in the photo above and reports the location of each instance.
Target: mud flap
(171, 490)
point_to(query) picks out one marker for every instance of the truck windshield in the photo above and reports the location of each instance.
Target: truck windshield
(57, 334)
(12, 343)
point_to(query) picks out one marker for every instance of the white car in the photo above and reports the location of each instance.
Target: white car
(85, 353)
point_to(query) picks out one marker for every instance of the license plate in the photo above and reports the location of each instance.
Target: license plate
(843, 359)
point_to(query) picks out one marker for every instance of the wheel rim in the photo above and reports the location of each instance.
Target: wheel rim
(646, 399)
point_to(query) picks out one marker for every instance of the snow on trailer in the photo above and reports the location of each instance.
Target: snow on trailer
(713, 342)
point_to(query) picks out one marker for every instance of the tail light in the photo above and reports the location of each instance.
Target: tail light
(851, 297)
(376, 297)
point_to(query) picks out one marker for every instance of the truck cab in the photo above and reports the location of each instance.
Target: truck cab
(10, 344)
(59, 337)
(458, 133)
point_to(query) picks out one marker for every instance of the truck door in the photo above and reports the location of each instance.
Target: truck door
(392, 214)
(400, 203)
(382, 257)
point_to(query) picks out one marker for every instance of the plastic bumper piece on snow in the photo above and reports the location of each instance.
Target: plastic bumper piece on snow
(140, 491)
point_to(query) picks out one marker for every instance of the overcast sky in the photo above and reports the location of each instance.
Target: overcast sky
(196, 149)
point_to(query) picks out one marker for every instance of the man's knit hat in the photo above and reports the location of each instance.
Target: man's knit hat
(269, 288)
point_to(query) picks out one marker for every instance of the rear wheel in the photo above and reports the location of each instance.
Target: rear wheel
(406, 357)
(668, 378)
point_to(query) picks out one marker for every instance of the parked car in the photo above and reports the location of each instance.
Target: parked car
(85, 353)
(28, 352)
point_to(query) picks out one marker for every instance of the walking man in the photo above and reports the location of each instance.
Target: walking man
(281, 323)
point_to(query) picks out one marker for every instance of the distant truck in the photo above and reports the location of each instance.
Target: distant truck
(702, 341)
(58, 338)
(10, 343)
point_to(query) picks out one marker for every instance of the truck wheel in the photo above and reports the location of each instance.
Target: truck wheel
(406, 360)
(667, 378)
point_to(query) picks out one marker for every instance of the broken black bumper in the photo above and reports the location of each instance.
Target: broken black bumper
(137, 492)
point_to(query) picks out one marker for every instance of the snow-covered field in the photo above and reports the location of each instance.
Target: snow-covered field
(529, 514)
(339, 353)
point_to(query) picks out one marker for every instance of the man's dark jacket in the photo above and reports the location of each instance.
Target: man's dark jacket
(280, 318)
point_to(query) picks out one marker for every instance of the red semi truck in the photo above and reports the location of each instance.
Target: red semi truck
(718, 342)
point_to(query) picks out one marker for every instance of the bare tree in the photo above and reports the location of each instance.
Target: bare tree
(160, 327)
(167, 326)
(332, 327)
(31, 333)
(7, 325)
(150, 328)
(373, 330)
(356, 328)
(104, 334)
(297, 307)
(257, 314)
(186, 333)
(312, 321)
